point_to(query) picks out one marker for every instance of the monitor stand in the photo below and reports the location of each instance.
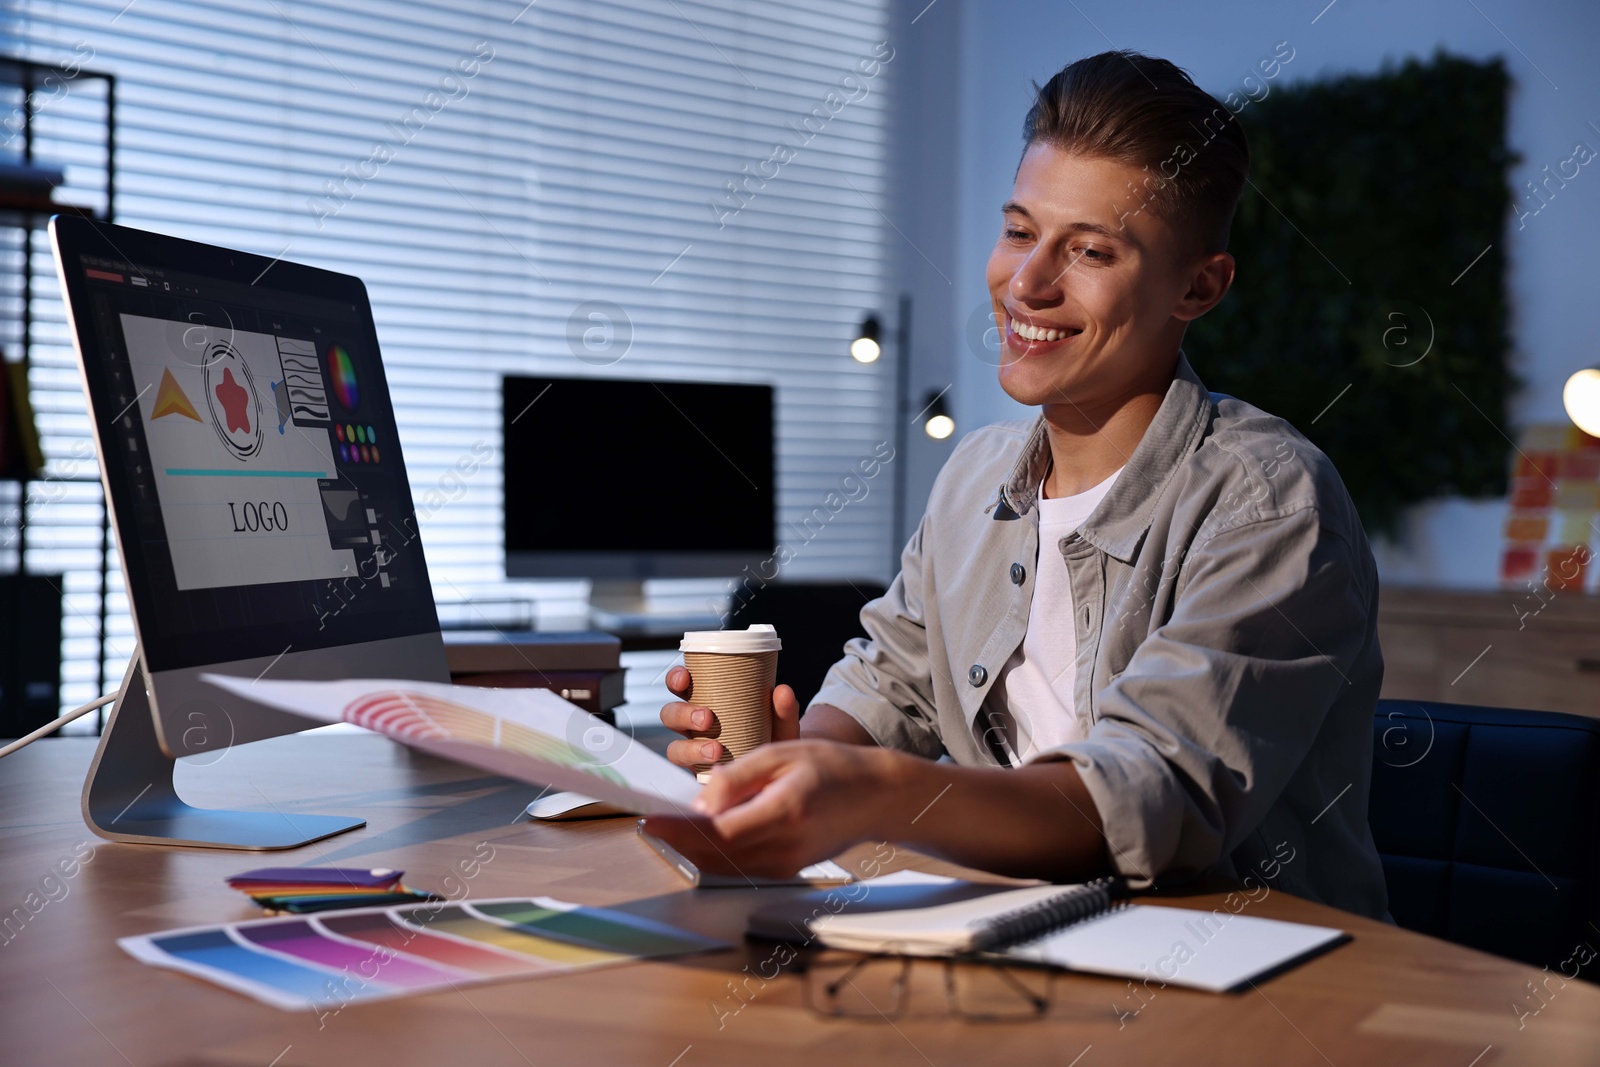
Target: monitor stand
(129, 794)
(621, 607)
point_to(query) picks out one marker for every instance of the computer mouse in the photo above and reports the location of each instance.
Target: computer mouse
(557, 806)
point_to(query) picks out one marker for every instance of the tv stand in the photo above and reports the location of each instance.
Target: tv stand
(129, 794)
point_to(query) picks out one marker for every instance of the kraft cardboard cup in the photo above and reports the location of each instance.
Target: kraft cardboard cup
(732, 672)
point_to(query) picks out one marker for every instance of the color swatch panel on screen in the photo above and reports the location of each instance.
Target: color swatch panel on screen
(342, 375)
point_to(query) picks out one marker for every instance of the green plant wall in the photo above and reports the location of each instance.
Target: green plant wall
(1366, 310)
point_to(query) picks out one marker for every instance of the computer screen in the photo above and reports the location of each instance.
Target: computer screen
(617, 479)
(249, 449)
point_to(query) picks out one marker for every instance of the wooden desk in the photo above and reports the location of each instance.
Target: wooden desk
(69, 996)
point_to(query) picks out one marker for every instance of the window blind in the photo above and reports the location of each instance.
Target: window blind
(675, 189)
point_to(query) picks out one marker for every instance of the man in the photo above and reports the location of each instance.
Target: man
(1153, 651)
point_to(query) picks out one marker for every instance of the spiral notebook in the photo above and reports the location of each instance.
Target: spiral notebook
(1089, 928)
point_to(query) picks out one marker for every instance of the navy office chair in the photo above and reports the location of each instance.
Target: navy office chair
(814, 620)
(1488, 824)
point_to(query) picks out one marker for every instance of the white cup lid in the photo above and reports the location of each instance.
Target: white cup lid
(762, 637)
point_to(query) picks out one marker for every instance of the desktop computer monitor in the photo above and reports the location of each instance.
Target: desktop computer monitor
(620, 480)
(257, 489)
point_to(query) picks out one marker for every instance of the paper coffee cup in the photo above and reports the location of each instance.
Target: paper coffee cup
(732, 672)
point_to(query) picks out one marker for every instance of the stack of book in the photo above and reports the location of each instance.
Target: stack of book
(20, 455)
(582, 667)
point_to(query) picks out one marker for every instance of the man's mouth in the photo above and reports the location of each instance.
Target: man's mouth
(1031, 338)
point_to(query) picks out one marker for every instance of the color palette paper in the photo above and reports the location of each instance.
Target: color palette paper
(309, 889)
(373, 878)
(531, 735)
(315, 963)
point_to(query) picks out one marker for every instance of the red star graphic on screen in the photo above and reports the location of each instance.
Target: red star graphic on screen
(233, 398)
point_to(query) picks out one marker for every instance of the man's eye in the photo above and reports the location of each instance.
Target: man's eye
(1015, 234)
(1094, 255)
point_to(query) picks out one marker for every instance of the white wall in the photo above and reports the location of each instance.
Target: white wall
(1004, 45)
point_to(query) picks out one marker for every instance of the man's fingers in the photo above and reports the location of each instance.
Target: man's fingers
(694, 753)
(785, 714)
(764, 814)
(733, 783)
(678, 681)
(685, 718)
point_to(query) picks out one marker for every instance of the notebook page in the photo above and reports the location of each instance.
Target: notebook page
(1216, 951)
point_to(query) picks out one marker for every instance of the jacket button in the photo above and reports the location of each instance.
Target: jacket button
(977, 675)
(1018, 573)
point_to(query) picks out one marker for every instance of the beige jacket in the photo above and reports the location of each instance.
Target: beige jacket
(1227, 663)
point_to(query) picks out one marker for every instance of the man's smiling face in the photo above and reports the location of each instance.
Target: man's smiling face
(1092, 290)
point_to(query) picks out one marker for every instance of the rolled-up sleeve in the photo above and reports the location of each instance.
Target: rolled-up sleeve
(884, 681)
(1217, 708)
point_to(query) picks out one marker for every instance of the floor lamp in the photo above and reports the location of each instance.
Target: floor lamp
(934, 416)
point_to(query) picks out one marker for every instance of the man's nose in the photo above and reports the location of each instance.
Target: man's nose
(1038, 280)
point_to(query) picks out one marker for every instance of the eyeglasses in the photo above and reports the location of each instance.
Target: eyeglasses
(880, 986)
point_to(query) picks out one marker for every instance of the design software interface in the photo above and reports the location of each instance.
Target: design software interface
(255, 432)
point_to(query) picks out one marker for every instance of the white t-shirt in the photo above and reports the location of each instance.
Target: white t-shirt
(1037, 680)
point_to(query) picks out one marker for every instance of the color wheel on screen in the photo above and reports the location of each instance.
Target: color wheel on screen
(342, 373)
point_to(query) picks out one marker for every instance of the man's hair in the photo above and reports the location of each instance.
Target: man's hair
(1145, 112)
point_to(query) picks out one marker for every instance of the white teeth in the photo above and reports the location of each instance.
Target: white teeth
(1037, 333)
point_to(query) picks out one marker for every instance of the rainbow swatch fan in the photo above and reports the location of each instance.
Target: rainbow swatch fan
(529, 735)
(342, 372)
(418, 715)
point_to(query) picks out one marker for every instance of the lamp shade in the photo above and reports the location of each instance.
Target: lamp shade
(939, 425)
(1581, 398)
(865, 348)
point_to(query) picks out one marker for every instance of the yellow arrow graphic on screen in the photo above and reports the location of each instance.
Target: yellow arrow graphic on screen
(171, 400)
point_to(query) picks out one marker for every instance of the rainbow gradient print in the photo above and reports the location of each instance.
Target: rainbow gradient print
(410, 715)
(342, 372)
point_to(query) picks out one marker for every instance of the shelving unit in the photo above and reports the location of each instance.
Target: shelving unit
(71, 110)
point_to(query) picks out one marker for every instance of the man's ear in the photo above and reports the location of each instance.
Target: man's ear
(1209, 282)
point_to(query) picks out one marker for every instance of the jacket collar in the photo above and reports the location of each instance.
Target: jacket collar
(1119, 523)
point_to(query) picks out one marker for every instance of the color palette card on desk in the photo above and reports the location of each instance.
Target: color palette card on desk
(300, 890)
(313, 963)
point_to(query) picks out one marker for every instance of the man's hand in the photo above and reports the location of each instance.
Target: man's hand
(781, 807)
(815, 792)
(697, 723)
